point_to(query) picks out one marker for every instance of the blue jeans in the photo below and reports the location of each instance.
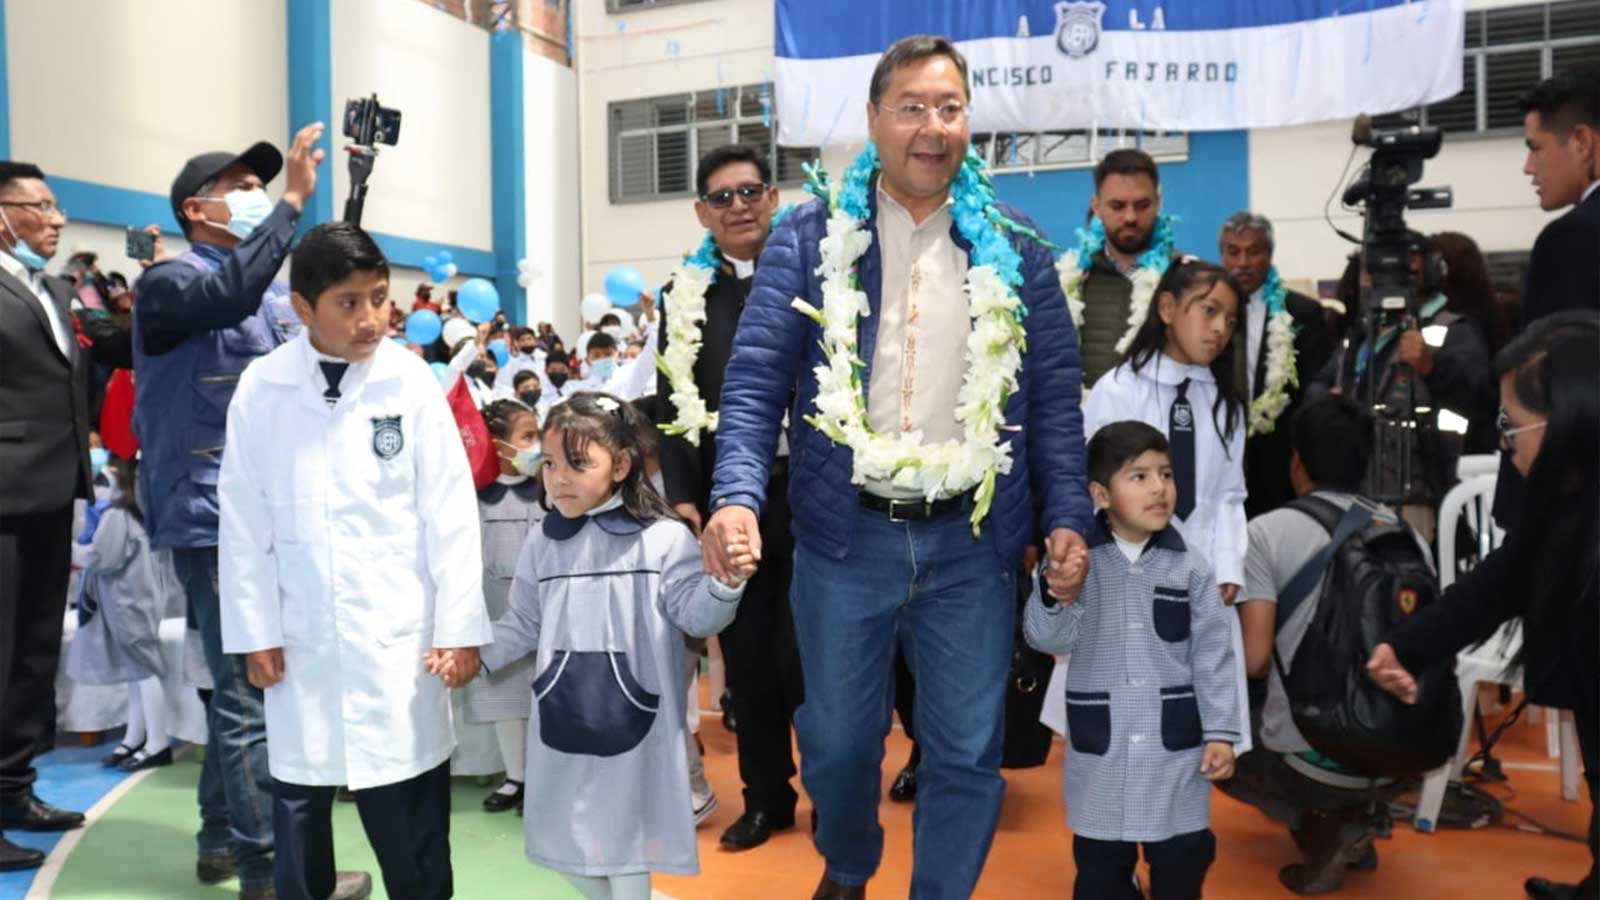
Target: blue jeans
(236, 721)
(216, 834)
(949, 598)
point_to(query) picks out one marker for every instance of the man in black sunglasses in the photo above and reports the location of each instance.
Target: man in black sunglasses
(736, 204)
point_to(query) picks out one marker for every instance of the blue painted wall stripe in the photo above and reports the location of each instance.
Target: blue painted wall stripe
(5, 90)
(311, 95)
(404, 251)
(86, 201)
(1211, 185)
(508, 174)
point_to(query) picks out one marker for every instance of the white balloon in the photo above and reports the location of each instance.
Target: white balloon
(450, 270)
(594, 306)
(524, 280)
(456, 330)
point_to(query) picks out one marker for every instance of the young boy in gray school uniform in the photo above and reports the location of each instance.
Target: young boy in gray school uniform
(1151, 709)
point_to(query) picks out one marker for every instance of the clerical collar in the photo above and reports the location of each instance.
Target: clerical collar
(1589, 190)
(742, 268)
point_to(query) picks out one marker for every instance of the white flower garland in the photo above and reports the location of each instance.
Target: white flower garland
(1151, 265)
(1282, 373)
(687, 299)
(993, 359)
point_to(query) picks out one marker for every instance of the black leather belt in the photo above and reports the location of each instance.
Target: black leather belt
(913, 510)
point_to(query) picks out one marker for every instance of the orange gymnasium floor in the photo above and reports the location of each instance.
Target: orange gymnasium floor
(1032, 855)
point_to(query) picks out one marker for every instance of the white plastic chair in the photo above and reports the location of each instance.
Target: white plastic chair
(1473, 498)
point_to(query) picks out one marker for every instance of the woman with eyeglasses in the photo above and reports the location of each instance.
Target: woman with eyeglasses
(1548, 571)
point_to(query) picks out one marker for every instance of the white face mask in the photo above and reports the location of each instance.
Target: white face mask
(247, 209)
(614, 330)
(527, 459)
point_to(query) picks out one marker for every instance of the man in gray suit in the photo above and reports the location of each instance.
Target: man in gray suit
(44, 453)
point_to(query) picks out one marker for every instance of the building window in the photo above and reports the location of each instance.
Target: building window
(1508, 50)
(1041, 150)
(618, 6)
(657, 141)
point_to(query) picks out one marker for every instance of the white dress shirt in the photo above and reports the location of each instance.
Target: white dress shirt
(35, 282)
(918, 361)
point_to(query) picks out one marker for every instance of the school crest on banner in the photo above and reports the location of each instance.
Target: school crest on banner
(1078, 27)
(1173, 65)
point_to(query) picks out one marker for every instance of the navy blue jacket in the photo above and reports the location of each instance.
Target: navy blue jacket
(198, 320)
(770, 373)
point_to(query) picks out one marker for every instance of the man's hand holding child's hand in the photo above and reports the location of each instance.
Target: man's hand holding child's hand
(455, 667)
(741, 560)
(1217, 763)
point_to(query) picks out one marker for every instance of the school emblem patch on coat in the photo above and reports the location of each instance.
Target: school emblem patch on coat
(387, 438)
(1407, 599)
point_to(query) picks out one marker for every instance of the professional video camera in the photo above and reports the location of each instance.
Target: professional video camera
(1406, 460)
(367, 124)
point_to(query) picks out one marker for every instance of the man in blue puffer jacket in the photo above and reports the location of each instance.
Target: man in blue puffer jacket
(876, 561)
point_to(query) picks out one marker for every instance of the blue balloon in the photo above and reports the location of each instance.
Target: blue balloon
(423, 327)
(624, 284)
(428, 262)
(478, 300)
(440, 370)
(502, 353)
(444, 257)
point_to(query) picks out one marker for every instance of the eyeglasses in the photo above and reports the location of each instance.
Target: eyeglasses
(950, 112)
(1508, 435)
(723, 199)
(43, 207)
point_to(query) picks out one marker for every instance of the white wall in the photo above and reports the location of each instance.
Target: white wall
(1292, 171)
(107, 91)
(623, 57)
(435, 184)
(553, 217)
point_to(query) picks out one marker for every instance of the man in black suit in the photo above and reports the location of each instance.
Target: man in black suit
(1561, 123)
(44, 467)
(737, 202)
(1247, 245)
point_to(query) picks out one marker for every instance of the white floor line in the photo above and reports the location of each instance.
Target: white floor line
(45, 880)
(1530, 767)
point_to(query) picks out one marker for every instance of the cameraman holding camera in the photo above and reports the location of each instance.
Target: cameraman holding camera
(198, 320)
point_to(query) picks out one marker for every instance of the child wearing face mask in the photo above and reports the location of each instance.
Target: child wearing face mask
(527, 389)
(601, 359)
(507, 510)
(605, 590)
(1178, 376)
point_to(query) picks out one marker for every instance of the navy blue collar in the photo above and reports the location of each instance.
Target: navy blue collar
(613, 521)
(1167, 538)
(527, 489)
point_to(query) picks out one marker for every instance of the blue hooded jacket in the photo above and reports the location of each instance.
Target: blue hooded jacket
(770, 373)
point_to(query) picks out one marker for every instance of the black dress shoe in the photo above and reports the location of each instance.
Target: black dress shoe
(14, 857)
(116, 757)
(753, 828)
(1544, 889)
(500, 801)
(832, 890)
(729, 721)
(904, 789)
(139, 761)
(27, 812)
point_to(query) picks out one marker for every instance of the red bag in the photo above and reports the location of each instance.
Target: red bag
(481, 457)
(116, 415)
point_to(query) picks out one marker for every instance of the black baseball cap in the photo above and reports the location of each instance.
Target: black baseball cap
(262, 158)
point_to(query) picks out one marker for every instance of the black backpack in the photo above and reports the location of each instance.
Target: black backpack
(1374, 576)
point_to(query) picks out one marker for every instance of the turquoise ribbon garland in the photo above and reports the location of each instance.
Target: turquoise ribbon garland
(708, 256)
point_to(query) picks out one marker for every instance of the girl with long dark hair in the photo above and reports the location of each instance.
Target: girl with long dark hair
(1548, 571)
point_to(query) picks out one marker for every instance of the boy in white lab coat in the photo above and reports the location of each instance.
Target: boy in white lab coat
(349, 552)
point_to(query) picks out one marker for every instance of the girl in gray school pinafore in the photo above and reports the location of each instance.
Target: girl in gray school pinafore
(121, 581)
(507, 512)
(603, 602)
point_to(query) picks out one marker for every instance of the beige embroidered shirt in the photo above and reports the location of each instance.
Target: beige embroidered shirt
(919, 359)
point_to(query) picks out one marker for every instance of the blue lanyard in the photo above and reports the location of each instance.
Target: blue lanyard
(1372, 348)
